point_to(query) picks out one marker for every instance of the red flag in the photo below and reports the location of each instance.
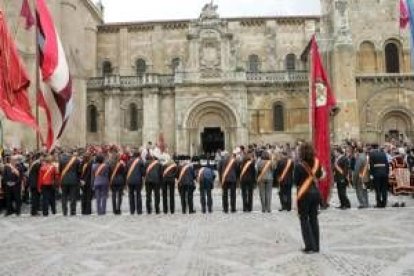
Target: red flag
(14, 81)
(404, 15)
(26, 12)
(322, 102)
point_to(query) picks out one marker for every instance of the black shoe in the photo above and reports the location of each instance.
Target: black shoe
(281, 210)
(402, 204)
(396, 205)
(307, 251)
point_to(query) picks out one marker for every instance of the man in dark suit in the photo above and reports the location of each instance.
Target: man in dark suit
(32, 181)
(341, 172)
(247, 181)
(153, 178)
(69, 170)
(186, 186)
(379, 169)
(284, 176)
(228, 170)
(135, 172)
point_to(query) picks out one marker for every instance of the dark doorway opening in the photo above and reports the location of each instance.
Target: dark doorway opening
(212, 139)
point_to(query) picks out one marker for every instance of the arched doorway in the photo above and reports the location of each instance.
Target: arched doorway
(211, 126)
(396, 126)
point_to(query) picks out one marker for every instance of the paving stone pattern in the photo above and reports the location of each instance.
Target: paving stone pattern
(354, 242)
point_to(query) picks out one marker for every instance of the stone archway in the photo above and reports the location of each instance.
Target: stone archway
(396, 125)
(210, 116)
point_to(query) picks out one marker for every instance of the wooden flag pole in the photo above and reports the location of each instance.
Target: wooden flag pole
(37, 58)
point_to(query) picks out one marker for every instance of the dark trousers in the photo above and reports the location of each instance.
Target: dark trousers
(69, 194)
(206, 200)
(229, 186)
(86, 200)
(381, 192)
(186, 194)
(308, 215)
(343, 197)
(285, 196)
(247, 196)
(35, 201)
(101, 195)
(135, 199)
(168, 192)
(13, 196)
(117, 193)
(151, 187)
(48, 199)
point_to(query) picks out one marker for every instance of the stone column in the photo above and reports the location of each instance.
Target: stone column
(123, 54)
(112, 128)
(151, 126)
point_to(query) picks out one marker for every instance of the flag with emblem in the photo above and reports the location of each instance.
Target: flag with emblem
(322, 103)
(55, 96)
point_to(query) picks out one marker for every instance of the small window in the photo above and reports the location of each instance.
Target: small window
(133, 117)
(92, 122)
(175, 64)
(392, 58)
(253, 65)
(290, 62)
(141, 67)
(107, 68)
(278, 117)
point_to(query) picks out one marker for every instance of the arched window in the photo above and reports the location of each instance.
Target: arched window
(92, 122)
(392, 58)
(367, 57)
(253, 65)
(107, 68)
(290, 62)
(278, 117)
(133, 117)
(175, 64)
(141, 67)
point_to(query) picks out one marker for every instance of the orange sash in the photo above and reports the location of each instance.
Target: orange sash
(84, 169)
(99, 170)
(168, 169)
(264, 170)
(227, 170)
(364, 171)
(200, 174)
(131, 169)
(245, 168)
(67, 167)
(48, 172)
(115, 171)
(185, 168)
(287, 168)
(151, 166)
(14, 170)
(306, 185)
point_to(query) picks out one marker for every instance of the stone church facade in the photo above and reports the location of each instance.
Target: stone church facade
(215, 82)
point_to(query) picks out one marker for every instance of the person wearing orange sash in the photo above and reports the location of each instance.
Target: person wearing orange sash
(100, 180)
(247, 180)
(69, 169)
(284, 176)
(228, 174)
(48, 177)
(186, 186)
(153, 178)
(86, 185)
(117, 183)
(205, 178)
(135, 171)
(265, 174)
(168, 186)
(306, 172)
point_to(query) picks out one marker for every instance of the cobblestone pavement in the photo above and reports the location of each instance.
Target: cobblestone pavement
(354, 242)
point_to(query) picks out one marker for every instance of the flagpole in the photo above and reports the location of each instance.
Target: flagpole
(37, 55)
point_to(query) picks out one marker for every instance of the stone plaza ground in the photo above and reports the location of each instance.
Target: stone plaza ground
(354, 242)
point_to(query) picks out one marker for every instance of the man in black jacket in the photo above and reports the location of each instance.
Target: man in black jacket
(69, 170)
(379, 169)
(228, 171)
(12, 178)
(135, 172)
(168, 186)
(186, 176)
(341, 172)
(153, 178)
(32, 181)
(247, 181)
(284, 176)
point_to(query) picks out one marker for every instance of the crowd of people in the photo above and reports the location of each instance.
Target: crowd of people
(94, 171)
